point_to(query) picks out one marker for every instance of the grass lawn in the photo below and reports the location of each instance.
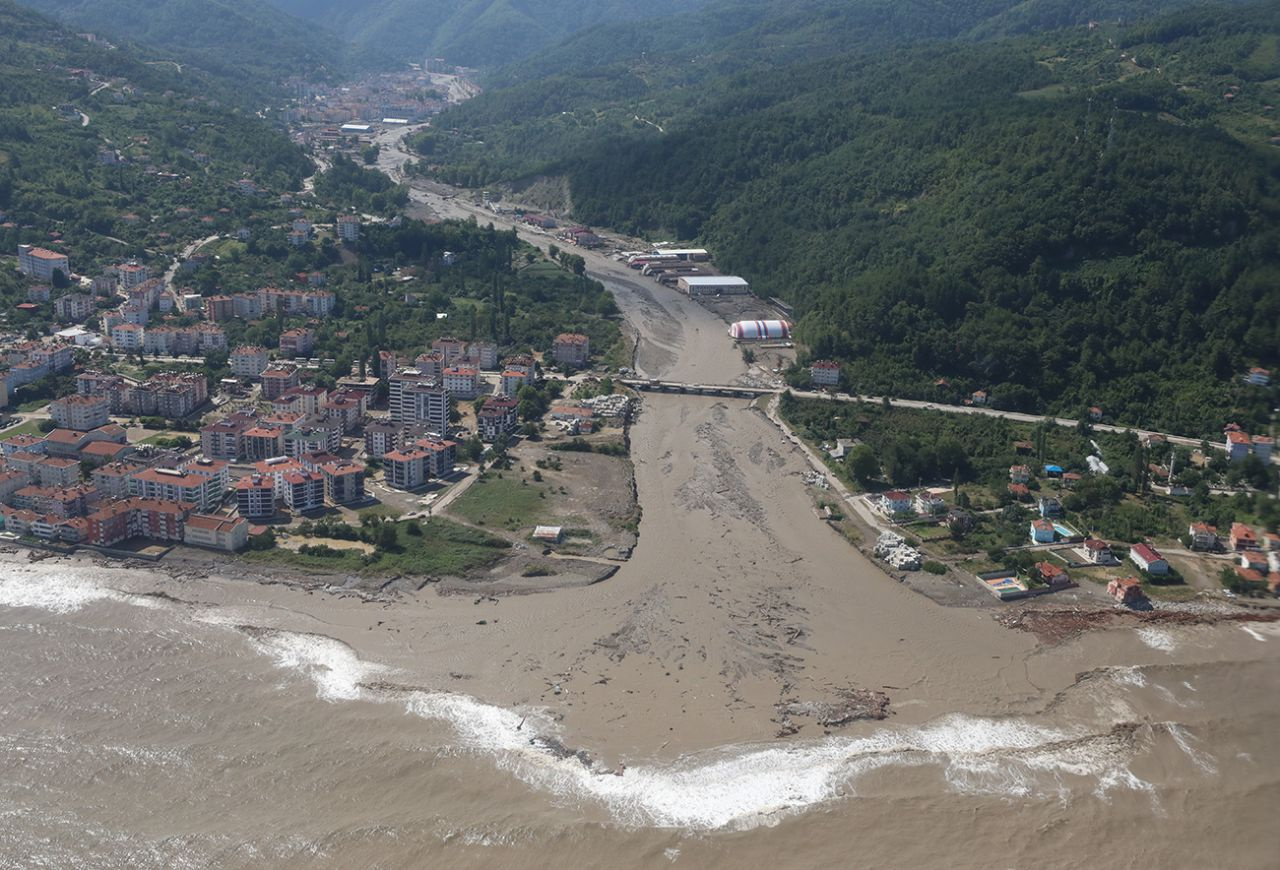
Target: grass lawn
(443, 548)
(502, 502)
(31, 406)
(28, 427)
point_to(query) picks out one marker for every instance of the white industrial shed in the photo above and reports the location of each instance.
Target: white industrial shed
(710, 285)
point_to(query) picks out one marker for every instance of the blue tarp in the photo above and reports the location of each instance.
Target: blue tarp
(1053, 469)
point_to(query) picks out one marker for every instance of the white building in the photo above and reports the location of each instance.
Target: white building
(40, 263)
(248, 361)
(713, 285)
(348, 228)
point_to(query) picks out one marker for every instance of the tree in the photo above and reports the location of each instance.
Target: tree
(862, 464)
(386, 538)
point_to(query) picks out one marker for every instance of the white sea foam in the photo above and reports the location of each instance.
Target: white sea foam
(60, 591)
(744, 787)
(331, 665)
(1158, 638)
(730, 787)
(1184, 738)
(1261, 631)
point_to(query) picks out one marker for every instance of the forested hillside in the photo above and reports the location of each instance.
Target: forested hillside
(1088, 216)
(470, 32)
(116, 156)
(248, 41)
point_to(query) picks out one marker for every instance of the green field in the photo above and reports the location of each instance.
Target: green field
(28, 427)
(502, 502)
(443, 549)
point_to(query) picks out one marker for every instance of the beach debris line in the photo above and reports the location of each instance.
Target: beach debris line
(850, 704)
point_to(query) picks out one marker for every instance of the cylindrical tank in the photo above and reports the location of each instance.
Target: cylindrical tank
(760, 330)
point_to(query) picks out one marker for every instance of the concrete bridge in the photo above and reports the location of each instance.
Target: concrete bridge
(735, 392)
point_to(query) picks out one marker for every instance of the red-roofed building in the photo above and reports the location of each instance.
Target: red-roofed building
(825, 373)
(462, 382)
(571, 348)
(496, 419)
(343, 482)
(136, 518)
(216, 533)
(1126, 590)
(277, 380)
(1146, 558)
(405, 469)
(1238, 445)
(41, 263)
(1242, 538)
(303, 490)
(1098, 552)
(256, 496)
(204, 492)
(1020, 491)
(1054, 576)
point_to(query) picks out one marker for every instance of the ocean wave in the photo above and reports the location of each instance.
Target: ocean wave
(732, 787)
(331, 665)
(61, 591)
(1162, 639)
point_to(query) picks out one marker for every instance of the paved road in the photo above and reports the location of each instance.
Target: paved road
(444, 201)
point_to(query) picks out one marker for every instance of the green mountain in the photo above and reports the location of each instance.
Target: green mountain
(115, 157)
(1068, 218)
(246, 41)
(468, 32)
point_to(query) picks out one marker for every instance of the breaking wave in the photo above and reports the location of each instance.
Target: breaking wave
(735, 787)
(60, 591)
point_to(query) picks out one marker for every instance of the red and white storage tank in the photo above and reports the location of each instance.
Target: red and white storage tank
(760, 330)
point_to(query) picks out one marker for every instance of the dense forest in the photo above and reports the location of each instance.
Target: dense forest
(114, 157)
(1084, 217)
(467, 32)
(245, 41)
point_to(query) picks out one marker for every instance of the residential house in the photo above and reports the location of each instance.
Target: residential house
(462, 382)
(1042, 532)
(825, 373)
(1019, 491)
(255, 496)
(405, 469)
(1049, 506)
(571, 349)
(81, 412)
(1054, 576)
(928, 504)
(1146, 558)
(496, 419)
(1203, 536)
(1258, 377)
(297, 342)
(895, 502)
(41, 263)
(512, 381)
(277, 380)
(1238, 445)
(303, 490)
(1098, 552)
(1242, 538)
(1019, 473)
(1126, 590)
